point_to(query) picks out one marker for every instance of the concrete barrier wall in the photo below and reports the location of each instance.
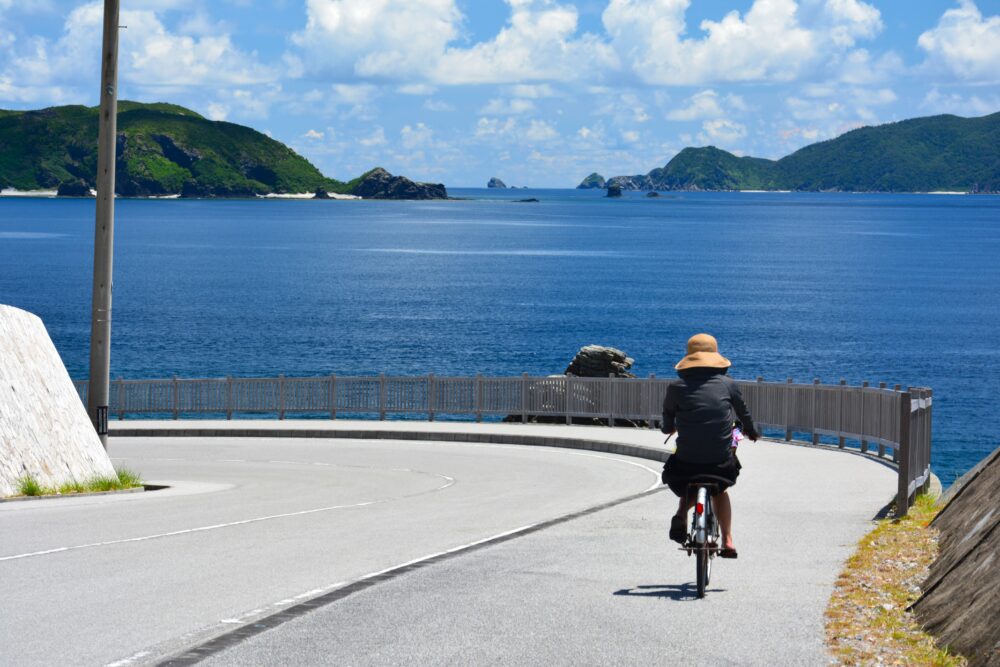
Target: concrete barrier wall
(44, 429)
(961, 601)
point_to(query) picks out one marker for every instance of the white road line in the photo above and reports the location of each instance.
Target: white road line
(218, 526)
(129, 660)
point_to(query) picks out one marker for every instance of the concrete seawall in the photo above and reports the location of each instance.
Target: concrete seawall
(44, 429)
(961, 601)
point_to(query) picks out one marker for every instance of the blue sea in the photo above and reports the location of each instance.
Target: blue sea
(895, 288)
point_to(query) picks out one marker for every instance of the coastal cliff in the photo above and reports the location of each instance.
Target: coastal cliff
(167, 150)
(932, 154)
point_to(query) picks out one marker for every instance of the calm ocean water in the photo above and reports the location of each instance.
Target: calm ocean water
(895, 288)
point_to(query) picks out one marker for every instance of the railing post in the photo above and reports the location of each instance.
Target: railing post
(788, 410)
(176, 397)
(524, 398)
(864, 442)
(333, 396)
(229, 397)
(381, 396)
(430, 396)
(611, 400)
(121, 398)
(815, 409)
(903, 455)
(478, 396)
(566, 399)
(928, 436)
(281, 397)
(895, 452)
(760, 380)
(840, 413)
(651, 384)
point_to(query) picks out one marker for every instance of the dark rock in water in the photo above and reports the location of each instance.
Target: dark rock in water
(653, 194)
(322, 194)
(592, 361)
(496, 183)
(73, 189)
(614, 191)
(530, 200)
(593, 182)
(597, 361)
(380, 184)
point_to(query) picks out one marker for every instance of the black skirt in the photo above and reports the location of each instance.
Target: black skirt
(678, 474)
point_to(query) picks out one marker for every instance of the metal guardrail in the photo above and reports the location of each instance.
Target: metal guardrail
(885, 423)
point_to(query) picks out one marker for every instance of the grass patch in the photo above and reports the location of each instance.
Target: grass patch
(123, 479)
(866, 619)
(29, 486)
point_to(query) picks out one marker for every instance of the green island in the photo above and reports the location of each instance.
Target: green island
(933, 154)
(167, 150)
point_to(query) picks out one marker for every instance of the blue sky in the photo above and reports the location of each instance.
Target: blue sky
(537, 92)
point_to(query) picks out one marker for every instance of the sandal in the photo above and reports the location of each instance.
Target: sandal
(728, 552)
(678, 532)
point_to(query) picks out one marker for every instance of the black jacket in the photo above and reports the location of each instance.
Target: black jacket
(702, 406)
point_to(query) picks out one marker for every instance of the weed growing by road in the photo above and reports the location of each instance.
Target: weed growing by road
(123, 479)
(867, 621)
(29, 486)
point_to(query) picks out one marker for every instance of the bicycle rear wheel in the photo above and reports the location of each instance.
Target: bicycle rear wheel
(703, 569)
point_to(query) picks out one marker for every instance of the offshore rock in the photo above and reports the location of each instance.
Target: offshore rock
(496, 183)
(593, 182)
(592, 361)
(614, 191)
(653, 194)
(321, 194)
(597, 361)
(380, 184)
(73, 189)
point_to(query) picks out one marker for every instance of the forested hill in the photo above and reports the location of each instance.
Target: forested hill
(163, 149)
(937, 153)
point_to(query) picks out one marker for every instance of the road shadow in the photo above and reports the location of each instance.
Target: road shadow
(678, 592)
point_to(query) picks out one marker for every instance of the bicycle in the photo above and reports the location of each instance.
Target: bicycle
(703, 537)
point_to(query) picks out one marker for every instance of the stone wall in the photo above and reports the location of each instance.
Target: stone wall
(961, 601)
(44, 429)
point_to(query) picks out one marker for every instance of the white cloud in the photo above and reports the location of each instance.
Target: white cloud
(851, 20)
(437, 105)
(630, 136)
(965, 44)
(501, 107)
(532, 91)
(537, 44)
(376, 138)
(416, 89)
(539, 130)
(766, 43)
(704, 104)
(416, 136)
(382, 38)
(772, 41)
(974, 105)
(721, 132)
(199, 54)
(313, 134)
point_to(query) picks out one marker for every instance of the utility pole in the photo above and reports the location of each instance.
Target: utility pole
(104, 229)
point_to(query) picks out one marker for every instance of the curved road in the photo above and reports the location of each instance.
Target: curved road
(253, 526)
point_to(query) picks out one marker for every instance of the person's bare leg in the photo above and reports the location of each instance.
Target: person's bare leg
(724, 512)
(682, 507)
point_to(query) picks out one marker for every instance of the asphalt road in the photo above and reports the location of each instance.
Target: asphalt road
(254, 527)
(249, 527)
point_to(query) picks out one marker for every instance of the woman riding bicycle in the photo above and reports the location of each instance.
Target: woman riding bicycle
(701, 407)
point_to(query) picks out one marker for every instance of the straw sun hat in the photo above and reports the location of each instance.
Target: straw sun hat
(702, 352)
